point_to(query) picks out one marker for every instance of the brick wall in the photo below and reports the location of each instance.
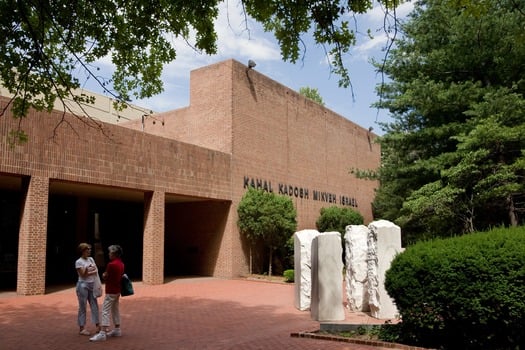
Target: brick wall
(80, 150)
(69, 150)
(153, 247)
(278, 137)
(207, 121)
(251, 127)
(31, 273)
(283, 138)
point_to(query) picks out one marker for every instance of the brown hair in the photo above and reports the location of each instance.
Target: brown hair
(82, 247)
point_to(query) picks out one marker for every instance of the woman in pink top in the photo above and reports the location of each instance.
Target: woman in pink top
(112, 277)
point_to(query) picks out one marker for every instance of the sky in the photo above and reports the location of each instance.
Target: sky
(235, 42)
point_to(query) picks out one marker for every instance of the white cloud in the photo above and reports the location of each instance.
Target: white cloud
(370, 48)
(376, 16)
(240, 36)
(236, 39)
(377, 23)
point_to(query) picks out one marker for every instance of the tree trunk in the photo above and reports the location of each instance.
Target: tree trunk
(468, 219)
(251, 260)
(270, 263)
(512, 211)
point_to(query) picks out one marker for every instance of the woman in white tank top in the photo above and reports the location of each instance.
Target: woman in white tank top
(87, 270)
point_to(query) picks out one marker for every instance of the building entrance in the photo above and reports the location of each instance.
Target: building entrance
(10, 202)
(193, 236)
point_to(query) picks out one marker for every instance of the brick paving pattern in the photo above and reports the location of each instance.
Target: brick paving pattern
(193, 313)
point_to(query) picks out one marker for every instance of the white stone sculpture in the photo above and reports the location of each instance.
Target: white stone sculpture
(318, 270)
(356, 277)
(303, 267)
(384, 242)
(327, 278)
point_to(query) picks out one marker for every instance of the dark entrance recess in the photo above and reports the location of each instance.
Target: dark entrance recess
(194, 229)
(122, 223)
(61, 240)
(100, 222)
(100, 216)
(193, 235)
(10, 204)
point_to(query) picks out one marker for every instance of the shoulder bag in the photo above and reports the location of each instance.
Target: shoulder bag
(97, 287)
(126, 287)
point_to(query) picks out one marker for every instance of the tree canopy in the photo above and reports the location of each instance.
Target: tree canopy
(268, 217)
(312, 93)
(44, 43)
(336, 219)
(454, 155)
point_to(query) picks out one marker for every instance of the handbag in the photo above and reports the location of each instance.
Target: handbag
(97, 286)
(126, 287)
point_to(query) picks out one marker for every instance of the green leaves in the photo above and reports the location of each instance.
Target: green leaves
(336, 219)
(312, 94)
(464, 292)
(453, 157)
(266, 216)
(45, 44)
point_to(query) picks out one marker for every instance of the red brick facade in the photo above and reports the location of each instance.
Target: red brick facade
(33, 230)
(240, 128)
(153, 262)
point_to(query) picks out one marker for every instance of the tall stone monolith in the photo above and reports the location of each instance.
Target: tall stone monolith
(327, 278)
(384, 242)
(303, 268)
(356, 277)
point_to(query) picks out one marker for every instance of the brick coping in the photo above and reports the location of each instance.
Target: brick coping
(376, 343)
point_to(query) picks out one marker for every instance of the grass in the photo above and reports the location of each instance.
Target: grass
(363, 333)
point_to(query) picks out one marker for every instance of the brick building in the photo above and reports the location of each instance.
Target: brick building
(166, 186)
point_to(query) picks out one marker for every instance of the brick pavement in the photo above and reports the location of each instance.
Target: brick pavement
(194, 313)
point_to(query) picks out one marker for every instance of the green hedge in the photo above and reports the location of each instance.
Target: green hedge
(289, 276)
(466, 292)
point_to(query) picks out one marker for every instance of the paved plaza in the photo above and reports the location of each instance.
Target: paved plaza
(186, 313)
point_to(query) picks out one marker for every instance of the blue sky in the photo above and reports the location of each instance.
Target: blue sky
(235, 42)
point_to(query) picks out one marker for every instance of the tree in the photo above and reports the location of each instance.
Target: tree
(44, 43)
(312, 94)
(453, 156)
(336, 219)
(267, 217)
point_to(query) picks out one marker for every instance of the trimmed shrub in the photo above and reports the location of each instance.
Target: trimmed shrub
(289, 276)
(336, 219)
(465, 292)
